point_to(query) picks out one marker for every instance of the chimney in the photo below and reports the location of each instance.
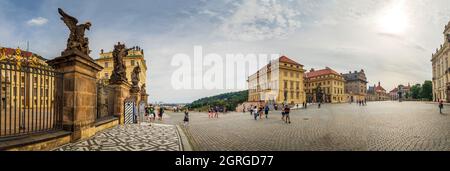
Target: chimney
(327, 67)
(379, 83)
(312, 70)
(362, 70)
(101, 51)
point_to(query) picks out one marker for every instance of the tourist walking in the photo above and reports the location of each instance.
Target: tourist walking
(251, 110)
(151, 113)
(186, 117)
(216, 112)
(161, 113)
(255, 112)
(287, 110)
(210, 113)
(320, 104)
(441, 106)
(266, 111)
(260, 112)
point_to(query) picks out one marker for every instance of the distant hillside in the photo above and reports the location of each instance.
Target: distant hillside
(228, 100)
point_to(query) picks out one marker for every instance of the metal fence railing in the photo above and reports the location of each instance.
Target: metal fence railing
(31, 99)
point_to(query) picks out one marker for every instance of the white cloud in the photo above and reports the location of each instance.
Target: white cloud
(39, 21)
(260, 20)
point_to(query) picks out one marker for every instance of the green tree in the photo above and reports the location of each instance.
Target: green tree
(427, 90)
(415, 91)
(228, 100)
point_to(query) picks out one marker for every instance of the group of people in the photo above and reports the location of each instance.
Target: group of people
(213, 112)
(362, 102)
(259, 112)
(150, 113)
(256, 111)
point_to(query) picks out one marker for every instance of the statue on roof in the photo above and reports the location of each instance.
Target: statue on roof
(77, 40)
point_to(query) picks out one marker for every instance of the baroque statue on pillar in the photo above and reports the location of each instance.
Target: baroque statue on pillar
(143, 90)
(119, 75)
(135, 79)
(77, 41)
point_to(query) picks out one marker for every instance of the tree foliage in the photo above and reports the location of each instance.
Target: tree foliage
(427, 90)
(228, 100)
(415, 91)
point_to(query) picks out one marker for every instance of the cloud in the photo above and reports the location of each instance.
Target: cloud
(260, 20)
(404, 40)
(39, 21)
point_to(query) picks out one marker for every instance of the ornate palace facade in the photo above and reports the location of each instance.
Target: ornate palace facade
(356, 85)
(377, 93)
(441, 83)
(281, 81)
(325, 85)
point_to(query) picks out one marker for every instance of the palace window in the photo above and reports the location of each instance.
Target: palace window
(132, 62)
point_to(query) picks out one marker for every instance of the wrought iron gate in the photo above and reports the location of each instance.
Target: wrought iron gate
(31, 96)
(130, 112)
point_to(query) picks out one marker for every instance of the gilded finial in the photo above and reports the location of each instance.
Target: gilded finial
(18, 56)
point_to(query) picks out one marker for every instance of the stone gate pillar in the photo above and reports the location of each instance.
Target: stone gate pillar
(79, 90)
(120, 94)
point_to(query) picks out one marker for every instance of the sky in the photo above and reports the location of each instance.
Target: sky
(392, 40)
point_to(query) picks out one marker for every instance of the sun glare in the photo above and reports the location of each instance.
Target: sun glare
(394, 19)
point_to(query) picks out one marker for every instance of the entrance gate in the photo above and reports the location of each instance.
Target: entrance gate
(141, 111)
(130, 112)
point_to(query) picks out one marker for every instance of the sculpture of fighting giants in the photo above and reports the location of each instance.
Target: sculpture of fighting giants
(135, 79)
(119, 75)
(143, 90)
(77, 41)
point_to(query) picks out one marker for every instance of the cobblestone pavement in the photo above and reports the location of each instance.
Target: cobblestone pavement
(380, 126)
(144, 137)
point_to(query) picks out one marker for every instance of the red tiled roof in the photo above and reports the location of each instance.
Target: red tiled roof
(285, 59)
(10, 51)
(317, 73)
(394, 90)
(379, 88)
